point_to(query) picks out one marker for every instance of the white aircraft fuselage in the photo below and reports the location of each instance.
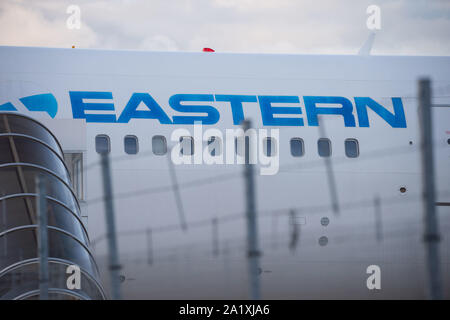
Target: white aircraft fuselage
(368, 104)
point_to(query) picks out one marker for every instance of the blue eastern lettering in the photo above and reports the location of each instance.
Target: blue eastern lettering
(396, 119)
(268, 111)
(154, 112)
(312, 111)
(236, 104)
(212, 114)
(79, 106)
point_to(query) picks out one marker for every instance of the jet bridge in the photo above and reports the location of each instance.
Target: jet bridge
(27, 150)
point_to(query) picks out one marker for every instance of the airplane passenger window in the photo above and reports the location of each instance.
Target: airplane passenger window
(239, 146)
(324, 147)
(102, 144)
(297, 147)
(215, 146)
(269, 147)
(131, 144)
(187, 146)
(246, 147)
(159, 145)
(351, 148)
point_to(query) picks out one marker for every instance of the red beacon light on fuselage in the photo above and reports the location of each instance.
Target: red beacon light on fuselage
(208, 50)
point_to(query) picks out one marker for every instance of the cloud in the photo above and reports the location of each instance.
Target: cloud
(290, 26)
(158, 43)
(21, 25)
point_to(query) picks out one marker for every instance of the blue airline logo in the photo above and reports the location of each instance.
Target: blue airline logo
(39, 102)
(270, 106)
(271, 111)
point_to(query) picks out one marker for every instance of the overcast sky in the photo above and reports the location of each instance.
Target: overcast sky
(411, 27)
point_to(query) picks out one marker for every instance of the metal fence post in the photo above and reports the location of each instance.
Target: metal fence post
(114, 265)
(252, 228)
(431, 229)
(42, 237)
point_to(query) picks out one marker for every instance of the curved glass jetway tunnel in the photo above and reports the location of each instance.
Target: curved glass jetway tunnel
(27, 150)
